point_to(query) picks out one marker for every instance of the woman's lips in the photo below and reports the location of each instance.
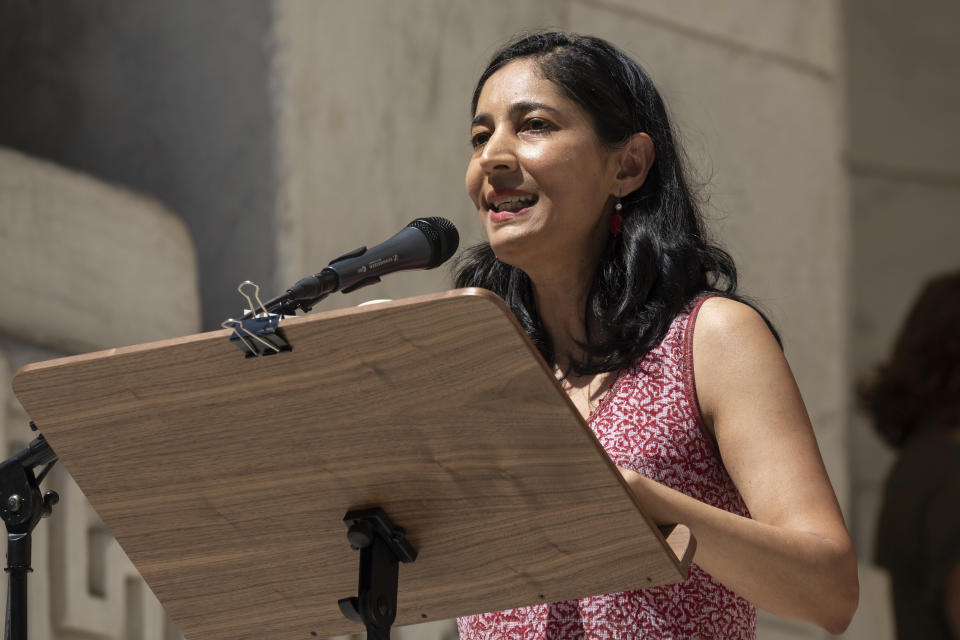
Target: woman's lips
(503, 216)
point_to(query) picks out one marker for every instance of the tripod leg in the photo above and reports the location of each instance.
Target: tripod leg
(21, 508)
(18, 565)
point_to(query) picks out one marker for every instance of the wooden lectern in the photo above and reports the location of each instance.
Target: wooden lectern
(226, 479)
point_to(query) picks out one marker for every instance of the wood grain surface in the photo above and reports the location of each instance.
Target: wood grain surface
(226, 479)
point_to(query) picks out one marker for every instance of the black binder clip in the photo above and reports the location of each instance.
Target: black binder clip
(257, 335)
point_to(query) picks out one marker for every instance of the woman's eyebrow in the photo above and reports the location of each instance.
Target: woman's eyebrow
(515, 108)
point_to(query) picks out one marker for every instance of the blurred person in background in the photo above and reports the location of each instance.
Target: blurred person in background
(914, 401)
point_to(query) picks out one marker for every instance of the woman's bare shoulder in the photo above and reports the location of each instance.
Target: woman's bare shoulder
(724, 322)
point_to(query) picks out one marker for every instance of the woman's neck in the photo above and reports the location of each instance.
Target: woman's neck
(561, 299)
(561, 280)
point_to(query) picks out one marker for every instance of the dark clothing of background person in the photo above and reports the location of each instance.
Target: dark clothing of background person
(919, 531)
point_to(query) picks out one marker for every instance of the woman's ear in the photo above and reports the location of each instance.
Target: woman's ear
(636, 158)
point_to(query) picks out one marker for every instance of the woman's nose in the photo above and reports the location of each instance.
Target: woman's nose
(498, 153)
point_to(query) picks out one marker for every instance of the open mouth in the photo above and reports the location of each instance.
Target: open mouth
(513, 203)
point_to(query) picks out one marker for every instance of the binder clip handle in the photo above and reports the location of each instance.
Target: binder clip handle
(256, 335)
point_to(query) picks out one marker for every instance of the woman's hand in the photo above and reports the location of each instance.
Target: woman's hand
(795, 557)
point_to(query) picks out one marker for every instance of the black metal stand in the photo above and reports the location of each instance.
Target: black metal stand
(21, 507)
(382, 546)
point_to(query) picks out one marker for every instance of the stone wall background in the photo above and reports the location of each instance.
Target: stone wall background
(202, 144)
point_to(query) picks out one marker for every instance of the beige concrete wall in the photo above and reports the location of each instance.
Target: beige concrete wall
(373, 108)
(904, 103)
(84, 266)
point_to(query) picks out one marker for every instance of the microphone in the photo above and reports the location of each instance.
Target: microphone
(425, 243)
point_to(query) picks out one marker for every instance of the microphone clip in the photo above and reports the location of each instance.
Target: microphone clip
(356, 253)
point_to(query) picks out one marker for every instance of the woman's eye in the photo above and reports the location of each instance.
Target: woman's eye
(479, 139)
(537, 124)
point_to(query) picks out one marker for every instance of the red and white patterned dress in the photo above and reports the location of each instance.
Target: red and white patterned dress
(649, 422)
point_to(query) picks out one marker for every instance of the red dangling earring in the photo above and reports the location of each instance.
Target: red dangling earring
(616, 220)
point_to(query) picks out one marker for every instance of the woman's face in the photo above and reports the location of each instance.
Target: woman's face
(539, 177)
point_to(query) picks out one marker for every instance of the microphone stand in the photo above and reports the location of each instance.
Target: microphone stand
(21, 507)
(305, 293)
(287, 305)
(425, 243)
(284, 305)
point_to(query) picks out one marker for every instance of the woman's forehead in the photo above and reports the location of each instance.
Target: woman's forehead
(519, 82)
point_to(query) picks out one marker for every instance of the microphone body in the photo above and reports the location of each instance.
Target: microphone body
(425, 243)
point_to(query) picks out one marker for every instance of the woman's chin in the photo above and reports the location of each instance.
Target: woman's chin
(508, 241)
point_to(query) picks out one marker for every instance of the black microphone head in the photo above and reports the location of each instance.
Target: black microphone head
(442, 236)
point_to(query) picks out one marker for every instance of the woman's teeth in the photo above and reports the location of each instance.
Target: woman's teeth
(513, 203)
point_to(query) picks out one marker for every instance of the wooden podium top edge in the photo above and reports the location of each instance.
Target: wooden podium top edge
(476, 292)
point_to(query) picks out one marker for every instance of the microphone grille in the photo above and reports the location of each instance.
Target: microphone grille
(442, 236)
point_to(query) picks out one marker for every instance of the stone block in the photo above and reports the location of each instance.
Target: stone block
(904, 101)
(85, 265)
(803, 33)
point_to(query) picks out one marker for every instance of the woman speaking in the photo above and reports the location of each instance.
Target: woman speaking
(596, 243)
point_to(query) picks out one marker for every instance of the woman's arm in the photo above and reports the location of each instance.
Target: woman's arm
(795, 557)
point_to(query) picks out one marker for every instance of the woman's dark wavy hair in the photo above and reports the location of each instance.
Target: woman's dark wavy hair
(662, 257)
(919, 386)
